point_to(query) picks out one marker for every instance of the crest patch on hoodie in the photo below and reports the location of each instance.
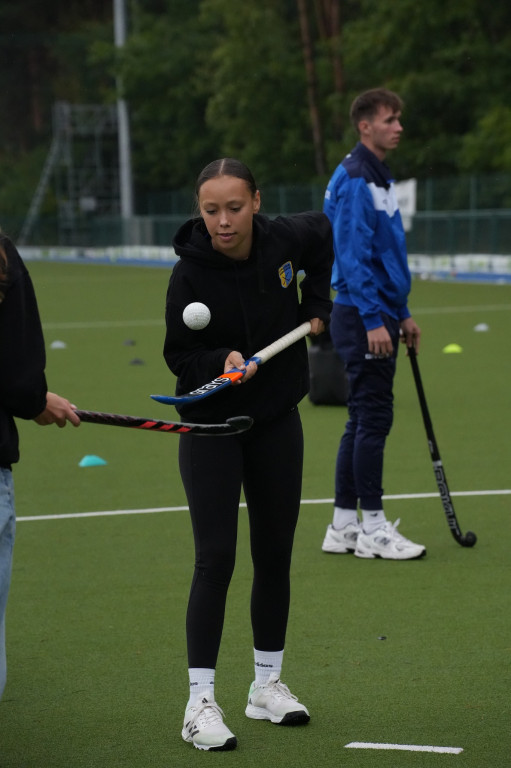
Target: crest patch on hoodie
(286, 274)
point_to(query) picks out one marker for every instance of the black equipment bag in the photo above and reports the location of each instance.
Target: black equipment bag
(328, 379)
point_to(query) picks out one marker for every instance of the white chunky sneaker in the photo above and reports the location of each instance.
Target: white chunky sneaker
(388, 544)
(274, 701)
(204, 727)
(342, 540)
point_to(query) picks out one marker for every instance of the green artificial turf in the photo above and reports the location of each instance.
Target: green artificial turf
(393, 652)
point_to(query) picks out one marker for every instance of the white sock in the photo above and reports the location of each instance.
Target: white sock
(343, 517)
(202, 684)
(267, 663)
(373, 519)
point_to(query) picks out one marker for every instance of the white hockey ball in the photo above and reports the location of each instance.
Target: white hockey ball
(196, 315)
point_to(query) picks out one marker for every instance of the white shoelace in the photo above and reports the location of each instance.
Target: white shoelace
(209, 713)
(279, 690)
(391, 529)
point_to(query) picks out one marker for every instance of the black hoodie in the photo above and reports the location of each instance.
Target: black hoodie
(22, 356)
(252, 304)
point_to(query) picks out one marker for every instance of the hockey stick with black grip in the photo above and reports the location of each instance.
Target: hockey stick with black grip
(469, 539)
(225, 379)
(232, 426)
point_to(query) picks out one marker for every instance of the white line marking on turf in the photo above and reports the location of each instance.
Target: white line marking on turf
(404, 496)
(455, 310)
(100, 324)
(152, 510)
(504, 492)
(404, 747)
(107, 513)
(71, 325)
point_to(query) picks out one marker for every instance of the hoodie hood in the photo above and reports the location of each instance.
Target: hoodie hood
(192, 241)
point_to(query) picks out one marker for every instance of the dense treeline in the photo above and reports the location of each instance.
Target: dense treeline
(269, 81)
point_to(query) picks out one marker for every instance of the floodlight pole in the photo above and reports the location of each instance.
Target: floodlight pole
(125, 172)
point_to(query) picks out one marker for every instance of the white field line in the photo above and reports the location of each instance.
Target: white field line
(455, 310)
(152, 510)
(71, 326)
(404, 747)
(78, 325)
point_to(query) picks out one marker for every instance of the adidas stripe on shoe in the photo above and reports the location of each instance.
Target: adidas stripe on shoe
(204, 727)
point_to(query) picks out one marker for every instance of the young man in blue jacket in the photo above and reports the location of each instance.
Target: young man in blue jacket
(369, 318)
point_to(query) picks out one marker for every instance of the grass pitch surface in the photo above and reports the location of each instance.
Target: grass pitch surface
(405, 653)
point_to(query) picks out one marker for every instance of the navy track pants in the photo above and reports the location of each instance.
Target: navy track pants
(359, 465)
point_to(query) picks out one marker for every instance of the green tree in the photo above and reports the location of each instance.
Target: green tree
(487, 147)
(256, 87)
(44, 57)
(162, 73)
(449, 61)
(269, 81)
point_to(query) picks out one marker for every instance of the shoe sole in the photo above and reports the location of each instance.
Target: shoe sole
(299, 717)
(335, 551)
(231, 743)
(375, 555)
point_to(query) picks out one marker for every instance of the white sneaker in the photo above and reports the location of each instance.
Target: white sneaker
(204, 727)
(274, 701)
(388, 544)
(342, 540)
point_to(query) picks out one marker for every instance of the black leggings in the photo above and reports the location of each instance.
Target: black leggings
(267, 460)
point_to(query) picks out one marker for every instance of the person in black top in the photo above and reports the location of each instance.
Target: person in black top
(246, 268)
(23, 394)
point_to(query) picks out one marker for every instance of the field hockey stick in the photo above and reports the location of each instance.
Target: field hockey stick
(469, 539)
(231, 426)
(225, 379)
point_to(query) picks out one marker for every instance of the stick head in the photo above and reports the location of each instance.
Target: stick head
(469, 539)
(240, 423)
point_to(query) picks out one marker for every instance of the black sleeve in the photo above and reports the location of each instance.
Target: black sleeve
(188, 354)
(22, 356)
(313, 233)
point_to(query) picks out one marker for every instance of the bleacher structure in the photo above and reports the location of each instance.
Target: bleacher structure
(82, 169)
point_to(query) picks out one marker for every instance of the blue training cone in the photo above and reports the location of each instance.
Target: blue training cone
(92, 461)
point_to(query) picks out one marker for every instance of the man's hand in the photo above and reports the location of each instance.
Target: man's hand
(410, 334)
(379, 342)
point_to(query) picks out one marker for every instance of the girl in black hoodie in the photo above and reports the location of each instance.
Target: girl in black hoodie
(245, 268)
(23, 394)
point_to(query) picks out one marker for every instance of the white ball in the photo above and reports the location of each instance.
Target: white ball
(196, 315)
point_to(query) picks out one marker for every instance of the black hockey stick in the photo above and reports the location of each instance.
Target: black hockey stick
(226, 379)
(232, 426)
(469, 539)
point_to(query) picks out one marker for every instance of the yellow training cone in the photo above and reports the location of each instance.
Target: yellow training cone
(452, 348)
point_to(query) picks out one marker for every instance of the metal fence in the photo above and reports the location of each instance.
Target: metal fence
(435, 232)
(452, 232)
(453, 193)
(459, 215)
